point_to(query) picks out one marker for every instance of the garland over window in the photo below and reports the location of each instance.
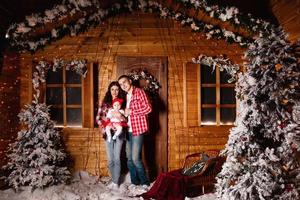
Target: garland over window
(222, 62)
(79, 66)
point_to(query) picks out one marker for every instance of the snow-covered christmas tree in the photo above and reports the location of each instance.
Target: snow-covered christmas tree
(261, 151)
(37, 158)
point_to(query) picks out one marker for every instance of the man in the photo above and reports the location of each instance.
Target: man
(137, 109)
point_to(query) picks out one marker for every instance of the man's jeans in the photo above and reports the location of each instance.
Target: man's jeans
(113, 151)
(135, 165)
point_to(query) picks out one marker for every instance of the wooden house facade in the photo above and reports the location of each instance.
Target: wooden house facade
(130, 41)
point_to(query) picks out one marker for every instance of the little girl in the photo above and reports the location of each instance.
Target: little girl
(116, 119)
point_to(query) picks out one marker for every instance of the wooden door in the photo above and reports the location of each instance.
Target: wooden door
(155, 154)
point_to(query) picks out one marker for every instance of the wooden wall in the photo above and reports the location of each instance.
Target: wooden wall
(137, 34)
(287, 13)
(9, 102)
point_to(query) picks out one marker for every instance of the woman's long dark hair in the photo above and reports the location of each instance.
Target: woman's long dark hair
(108, 98)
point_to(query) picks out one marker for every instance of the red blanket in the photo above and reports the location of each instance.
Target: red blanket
(168, 186)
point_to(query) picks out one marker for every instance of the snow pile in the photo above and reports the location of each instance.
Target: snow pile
(83, 187)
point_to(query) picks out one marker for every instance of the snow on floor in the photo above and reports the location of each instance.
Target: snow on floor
(83, 187)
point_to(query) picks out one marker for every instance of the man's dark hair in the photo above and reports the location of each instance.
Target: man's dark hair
(125, 76)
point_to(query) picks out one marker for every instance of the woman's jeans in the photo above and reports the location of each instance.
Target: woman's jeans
(113, 151)
(135, 165)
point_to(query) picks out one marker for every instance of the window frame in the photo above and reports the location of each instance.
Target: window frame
(218, 86)
(87, 94)
(64, 85)
(192, 105)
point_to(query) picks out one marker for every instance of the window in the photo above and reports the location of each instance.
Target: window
(64, 94)
(208, 98)
(217, 97)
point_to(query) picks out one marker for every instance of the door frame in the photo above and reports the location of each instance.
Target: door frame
(163, 93)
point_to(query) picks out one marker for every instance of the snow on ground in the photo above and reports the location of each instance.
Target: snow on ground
(84, 187)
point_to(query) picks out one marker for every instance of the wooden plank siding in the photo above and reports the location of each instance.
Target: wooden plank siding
(288, 15)
(10, 90)
(191, 92)
(87, 148)
(136, 34)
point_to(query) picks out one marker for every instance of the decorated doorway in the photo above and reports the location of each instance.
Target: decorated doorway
(155, 152)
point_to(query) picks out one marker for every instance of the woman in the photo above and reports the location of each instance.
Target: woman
(113, 148)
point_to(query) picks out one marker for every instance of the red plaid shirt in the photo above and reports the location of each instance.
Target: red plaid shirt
(140, 107)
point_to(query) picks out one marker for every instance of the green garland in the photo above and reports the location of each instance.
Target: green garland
(231, 15)
(42, 68)
(21, 36)
(221, 62)
(152, 85)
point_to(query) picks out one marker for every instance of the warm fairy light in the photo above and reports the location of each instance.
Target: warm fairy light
(214, 123)
(208, 123)
(226, 123)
